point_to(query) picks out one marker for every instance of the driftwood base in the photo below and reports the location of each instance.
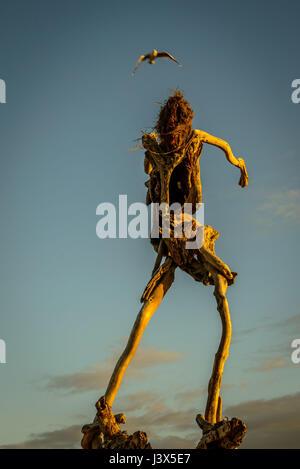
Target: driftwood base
(105, 433)
(226, 434)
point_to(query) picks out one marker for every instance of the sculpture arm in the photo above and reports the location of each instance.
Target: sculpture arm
(218, 142)
(148, 166)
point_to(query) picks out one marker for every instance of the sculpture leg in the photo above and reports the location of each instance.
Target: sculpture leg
(148, 309)
(215, 262)
(104, 432)
(214, 402)
(218, 433)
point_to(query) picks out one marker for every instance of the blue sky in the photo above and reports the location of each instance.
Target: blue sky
(69, 299)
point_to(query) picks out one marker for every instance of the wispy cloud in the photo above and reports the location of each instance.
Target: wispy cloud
(291, 324)
(271, 364)
(285, 325)
(184, 397)
(175, 442)
(272, 423)
(68, 437)
(281, 205)
(159, 416)
(96, 377)
(277, 355)
(166, 427)
(137, 401)
(92, 378)
(191, 397)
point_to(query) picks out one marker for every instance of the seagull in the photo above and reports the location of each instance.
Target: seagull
(152, 56)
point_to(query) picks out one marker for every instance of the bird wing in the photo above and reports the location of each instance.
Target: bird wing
(166, 55)
(141, 59)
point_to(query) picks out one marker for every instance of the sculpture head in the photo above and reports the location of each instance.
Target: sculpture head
(174, 124)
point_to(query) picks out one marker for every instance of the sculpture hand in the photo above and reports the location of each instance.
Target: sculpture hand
(243, 182)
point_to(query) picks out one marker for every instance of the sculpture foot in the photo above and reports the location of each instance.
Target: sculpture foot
(105, 433)
(226, 434)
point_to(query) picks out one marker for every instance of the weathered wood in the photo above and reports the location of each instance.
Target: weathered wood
(219, 410)
(105, 433)
(171, 161)
(152, 301)
(223, 350)
(226, 434)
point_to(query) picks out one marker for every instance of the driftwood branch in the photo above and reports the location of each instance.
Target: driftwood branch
(105, 433)
(218, 433)
(178, 144)
(226, 434)
(213, 401)
(154, 293)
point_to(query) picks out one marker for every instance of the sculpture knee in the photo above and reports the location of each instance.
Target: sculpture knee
(220, 281)
(221, 285)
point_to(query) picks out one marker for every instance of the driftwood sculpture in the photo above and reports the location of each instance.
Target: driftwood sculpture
(172, 162)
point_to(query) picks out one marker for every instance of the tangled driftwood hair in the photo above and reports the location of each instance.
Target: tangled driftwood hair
(174, 124)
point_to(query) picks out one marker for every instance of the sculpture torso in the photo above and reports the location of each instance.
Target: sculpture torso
(185, 183)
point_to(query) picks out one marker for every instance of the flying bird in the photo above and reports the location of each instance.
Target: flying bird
(152, 56)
